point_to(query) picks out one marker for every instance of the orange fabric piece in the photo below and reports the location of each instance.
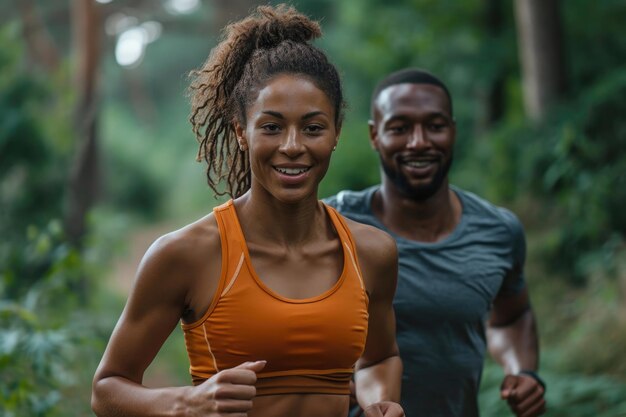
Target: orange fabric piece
(311, 345)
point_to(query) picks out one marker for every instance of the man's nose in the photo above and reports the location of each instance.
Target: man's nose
(418, 138)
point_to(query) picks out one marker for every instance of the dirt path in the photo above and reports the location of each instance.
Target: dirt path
(125, 266)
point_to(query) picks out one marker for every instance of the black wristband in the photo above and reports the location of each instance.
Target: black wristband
(534, 376)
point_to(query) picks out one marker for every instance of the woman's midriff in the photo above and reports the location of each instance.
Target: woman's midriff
(302, 405)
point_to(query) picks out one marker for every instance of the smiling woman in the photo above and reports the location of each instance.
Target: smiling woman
(281, 299)
(233, 76)
(290, 134)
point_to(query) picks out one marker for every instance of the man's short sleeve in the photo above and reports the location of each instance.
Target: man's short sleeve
(514, 282)
(331, 201)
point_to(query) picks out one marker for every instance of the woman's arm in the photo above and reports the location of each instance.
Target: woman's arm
(155, 305)
(379, 370)
(158, 300)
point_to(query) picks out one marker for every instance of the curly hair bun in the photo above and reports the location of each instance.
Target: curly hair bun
(282, 23)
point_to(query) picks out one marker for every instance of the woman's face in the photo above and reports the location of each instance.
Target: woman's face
(290, 134)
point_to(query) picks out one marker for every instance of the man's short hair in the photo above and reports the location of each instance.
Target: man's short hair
(410, 76)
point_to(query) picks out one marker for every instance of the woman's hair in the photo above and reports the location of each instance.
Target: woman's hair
(271, 41)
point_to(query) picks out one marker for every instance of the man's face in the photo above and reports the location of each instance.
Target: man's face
(413, 133)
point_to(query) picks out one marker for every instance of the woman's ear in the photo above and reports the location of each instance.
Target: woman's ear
(338, 129)
(240, 132)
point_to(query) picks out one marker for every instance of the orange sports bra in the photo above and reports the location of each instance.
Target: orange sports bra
(311, 345)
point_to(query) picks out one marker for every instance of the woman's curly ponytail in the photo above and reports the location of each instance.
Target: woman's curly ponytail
(271, 41)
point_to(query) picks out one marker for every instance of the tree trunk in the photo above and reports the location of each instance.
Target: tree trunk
(84, 173)
(494, 25)
(42, 50)
(541, 54)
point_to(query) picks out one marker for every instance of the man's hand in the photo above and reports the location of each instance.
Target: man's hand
(384, 409)
(524, 395)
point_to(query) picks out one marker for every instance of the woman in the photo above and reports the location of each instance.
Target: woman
(276, 299)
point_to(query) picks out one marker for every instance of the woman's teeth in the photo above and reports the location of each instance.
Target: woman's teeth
(291, 171)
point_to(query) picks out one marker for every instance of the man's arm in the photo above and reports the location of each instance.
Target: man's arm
(513, 342)
(512, 333)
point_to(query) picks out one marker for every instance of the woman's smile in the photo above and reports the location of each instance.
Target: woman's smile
(290, 134)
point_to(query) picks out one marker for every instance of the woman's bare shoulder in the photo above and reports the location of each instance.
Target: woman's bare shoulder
(191, 238)
(184, 252)
(373, 242)
(378, 256)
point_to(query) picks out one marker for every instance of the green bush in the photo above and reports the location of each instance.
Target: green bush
(45, 341)
(567, 395)
(32, 164)
(574, 165)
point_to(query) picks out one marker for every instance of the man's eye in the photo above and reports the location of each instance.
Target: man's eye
(437, 126)
(398, 129)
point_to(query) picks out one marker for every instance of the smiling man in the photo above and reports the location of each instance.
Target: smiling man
(461, 287)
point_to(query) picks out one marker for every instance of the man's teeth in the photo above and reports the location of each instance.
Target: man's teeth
(418, 164)
(292, 171)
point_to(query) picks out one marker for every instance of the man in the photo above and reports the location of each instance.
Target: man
(461, 285)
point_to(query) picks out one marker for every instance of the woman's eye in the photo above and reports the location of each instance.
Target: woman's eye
(313, 129)
(270, 128)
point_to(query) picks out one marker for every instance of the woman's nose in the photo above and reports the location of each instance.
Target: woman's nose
(292, 143)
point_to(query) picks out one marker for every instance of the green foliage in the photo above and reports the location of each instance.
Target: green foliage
(453, 40)
(566, 177)
(575, 165)
(24, 263)
(567, 395)
(130, 187)
(353, 148)
(595, 45)
(33, 161)
(31, 164)
(151, 169)
(46, 341)
(43, 341)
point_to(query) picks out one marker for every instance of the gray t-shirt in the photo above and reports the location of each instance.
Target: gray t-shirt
(444, 294)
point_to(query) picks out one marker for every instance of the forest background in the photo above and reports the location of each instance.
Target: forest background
(97, 160)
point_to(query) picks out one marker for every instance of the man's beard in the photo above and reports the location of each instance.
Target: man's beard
(421, 192)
